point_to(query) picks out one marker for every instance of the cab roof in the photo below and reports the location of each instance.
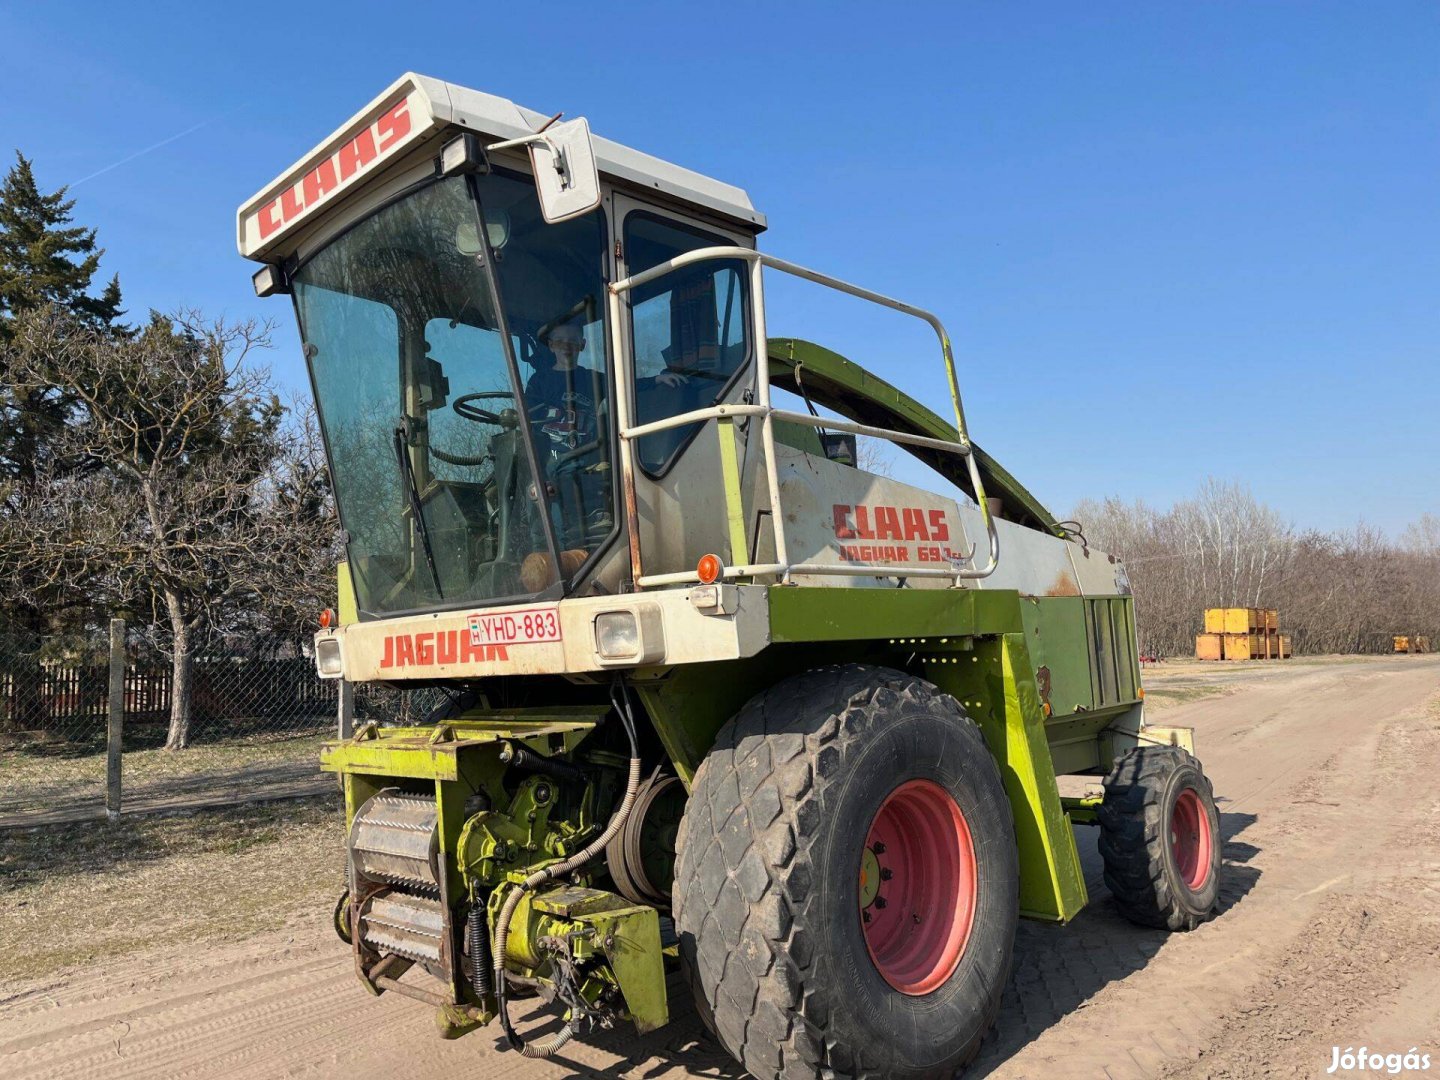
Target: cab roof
(413, 111)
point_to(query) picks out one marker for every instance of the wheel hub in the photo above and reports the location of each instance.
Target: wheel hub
(917, 887)
(1190, 839)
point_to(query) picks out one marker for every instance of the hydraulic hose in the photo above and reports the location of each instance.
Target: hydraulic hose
(550, 1044)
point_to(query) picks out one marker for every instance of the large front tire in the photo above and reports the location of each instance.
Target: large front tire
(846, 888)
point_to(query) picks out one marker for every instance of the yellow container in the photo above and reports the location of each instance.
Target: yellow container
(1245, 646)
(1272, 619)
(1283, 641)
(1215, 620)
(1209, 647)
(1242, 620)
(1402, 643)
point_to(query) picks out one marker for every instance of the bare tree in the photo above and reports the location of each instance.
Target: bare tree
(292, 576)
(1346, 591)
(162, 504)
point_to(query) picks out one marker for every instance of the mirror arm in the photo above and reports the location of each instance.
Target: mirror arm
(556, 154)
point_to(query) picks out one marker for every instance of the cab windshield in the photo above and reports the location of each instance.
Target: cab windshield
(456, 346)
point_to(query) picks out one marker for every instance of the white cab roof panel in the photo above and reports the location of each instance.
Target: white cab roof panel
(416, 107)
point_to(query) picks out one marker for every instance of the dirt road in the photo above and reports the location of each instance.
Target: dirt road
(1328, 776)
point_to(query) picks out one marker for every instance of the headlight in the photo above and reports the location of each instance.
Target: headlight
(328, 661)
(632, 636)
(617, 635)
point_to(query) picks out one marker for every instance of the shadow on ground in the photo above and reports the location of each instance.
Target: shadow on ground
(1056, 970)
(682, 1044)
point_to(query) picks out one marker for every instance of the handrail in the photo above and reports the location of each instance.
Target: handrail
(630, 431)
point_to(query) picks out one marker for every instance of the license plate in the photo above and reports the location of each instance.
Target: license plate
(525, 627)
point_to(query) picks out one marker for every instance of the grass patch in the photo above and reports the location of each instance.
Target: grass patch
(1164, 695)
(90, 891)
(36, 775)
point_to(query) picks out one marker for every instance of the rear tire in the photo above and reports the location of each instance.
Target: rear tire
(1160, 839)
(785, 813)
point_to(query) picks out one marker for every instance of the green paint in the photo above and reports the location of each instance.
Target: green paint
(997, 688)
(1083, 810)
(832, 614)
(347, 611)
(734, 497)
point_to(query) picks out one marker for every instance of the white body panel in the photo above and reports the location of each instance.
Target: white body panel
(443, 646)
(835, 514)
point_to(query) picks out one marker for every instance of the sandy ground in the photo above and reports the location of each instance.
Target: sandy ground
(1326, 773)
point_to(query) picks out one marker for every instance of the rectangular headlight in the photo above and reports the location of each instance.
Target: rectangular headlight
(617, 635)
(463, 154)
(630, 636)
(328, 661)
(269, 280)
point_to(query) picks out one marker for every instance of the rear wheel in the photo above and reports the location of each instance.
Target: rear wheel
(846, 886)
(1160, 838)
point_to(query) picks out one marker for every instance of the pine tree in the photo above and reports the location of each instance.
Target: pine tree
(44, 259)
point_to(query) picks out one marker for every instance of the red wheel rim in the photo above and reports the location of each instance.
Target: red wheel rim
(1190, 839)
(917, 887)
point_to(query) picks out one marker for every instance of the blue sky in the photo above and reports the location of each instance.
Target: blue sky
(1171, 240)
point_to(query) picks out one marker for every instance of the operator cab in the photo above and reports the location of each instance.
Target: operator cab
(452, 304)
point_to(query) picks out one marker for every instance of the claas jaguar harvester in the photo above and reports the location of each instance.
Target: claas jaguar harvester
(710, 693)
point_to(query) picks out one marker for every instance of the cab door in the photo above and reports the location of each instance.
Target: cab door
(690, 346)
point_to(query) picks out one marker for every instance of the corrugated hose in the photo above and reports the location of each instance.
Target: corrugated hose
(547, 1046)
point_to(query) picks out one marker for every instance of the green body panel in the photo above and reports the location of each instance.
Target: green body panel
(1086, 678)
(347, 609)
(821, 614)
(997, 688)
(600, 926)
(433, 753)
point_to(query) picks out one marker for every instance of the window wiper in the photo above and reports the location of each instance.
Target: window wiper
(416, 512)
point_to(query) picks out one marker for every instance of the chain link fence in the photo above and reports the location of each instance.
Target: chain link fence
(254, 726)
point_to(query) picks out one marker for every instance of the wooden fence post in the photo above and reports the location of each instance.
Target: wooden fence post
(116, 718)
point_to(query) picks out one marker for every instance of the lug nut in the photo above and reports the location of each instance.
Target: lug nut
(879, 848)
(885, 873)
(880, 901)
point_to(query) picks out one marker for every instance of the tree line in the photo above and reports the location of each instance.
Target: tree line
(1348, 591)
(149, 470)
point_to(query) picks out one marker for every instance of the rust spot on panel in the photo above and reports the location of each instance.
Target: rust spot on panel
(1063, 585)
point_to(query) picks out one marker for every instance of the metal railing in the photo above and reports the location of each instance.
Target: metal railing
(726, 416)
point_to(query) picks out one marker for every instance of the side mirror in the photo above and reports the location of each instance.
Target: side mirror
(563, 160)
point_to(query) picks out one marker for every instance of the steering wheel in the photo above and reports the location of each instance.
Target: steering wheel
(463, 407)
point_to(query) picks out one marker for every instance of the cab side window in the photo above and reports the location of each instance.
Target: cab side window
(689, 328)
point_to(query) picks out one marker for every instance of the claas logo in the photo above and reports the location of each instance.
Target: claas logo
(357, 155)
(907, 523)
(896, 534)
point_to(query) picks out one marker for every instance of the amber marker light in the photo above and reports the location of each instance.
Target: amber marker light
(709, 569)
(327, 619)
